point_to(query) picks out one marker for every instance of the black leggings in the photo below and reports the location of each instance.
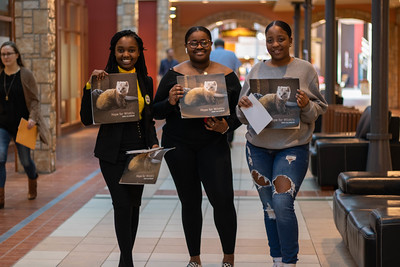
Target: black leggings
(191, 165)
(126, 200)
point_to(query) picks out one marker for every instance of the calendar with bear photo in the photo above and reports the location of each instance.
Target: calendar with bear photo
(115, 98)
(204, 96)
(278, 96)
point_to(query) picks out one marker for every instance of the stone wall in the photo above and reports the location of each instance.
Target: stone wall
(164, 31)
(127, 15)
(35, 33)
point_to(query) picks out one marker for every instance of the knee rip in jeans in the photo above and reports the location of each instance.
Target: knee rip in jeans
(283, 184)
(259, 180)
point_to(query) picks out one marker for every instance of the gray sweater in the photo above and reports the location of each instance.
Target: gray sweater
(284, 138)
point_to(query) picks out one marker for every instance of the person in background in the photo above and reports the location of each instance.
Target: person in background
(202, 154)
(114, 139)
(19, 98)
(278, 158)
(229, 59)
(167, 62)
(225, 57)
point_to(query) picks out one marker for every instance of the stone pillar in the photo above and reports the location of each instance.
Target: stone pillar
(35, 34)
(128, 15)
(164, 30)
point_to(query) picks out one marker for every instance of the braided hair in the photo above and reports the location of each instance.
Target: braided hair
(140, 65)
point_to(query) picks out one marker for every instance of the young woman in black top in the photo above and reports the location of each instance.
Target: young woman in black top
(202, 154)
(113, 140)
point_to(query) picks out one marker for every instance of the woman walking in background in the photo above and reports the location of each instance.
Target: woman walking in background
(19, 98)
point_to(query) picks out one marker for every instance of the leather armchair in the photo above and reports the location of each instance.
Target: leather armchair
(333, 153)
(366, 211)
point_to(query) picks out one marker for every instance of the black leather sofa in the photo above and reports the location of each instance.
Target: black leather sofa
(333, 153)
(366, 210)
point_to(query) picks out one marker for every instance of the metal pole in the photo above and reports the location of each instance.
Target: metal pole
(296, 28)
(379, 159)
(331, 51)
(307, 30)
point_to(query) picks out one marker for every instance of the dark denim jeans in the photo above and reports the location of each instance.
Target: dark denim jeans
(280, 219)
(24, 154)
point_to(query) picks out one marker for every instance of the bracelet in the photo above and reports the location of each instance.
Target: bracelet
(225, 130)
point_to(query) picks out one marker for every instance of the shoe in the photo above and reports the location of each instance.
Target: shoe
(32, 185)
(226, 264)
(1, 197)
(193, 264)
(278, 262)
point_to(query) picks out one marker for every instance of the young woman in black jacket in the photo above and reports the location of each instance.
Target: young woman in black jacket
(113, 140)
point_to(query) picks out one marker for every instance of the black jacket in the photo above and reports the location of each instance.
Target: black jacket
(109, 137)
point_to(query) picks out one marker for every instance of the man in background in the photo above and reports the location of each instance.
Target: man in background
(227, 58)
(167, 62)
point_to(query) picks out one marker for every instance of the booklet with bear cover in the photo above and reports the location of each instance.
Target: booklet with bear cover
(278, 96)
(204, 96)
(115, 98)
(143, 166)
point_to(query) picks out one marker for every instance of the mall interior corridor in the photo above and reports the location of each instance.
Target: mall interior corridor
(71, 221)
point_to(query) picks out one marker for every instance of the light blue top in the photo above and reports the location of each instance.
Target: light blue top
(225, 57)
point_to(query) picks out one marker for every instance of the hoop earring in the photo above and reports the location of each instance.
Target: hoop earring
(185, 50)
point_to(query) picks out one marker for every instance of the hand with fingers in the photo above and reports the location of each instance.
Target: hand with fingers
(175, 94)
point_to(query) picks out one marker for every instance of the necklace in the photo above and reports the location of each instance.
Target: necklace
(202, 71)
(7, 91)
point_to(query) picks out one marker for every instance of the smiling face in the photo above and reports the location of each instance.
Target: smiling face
(278, 43)
(8, 56)
(199, 53)
(127, 52)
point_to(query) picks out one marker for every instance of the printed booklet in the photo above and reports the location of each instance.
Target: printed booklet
(115, 98)
(204, 96)
(278, 96)
(143, 166)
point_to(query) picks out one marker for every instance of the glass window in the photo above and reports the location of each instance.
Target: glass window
(4, 7)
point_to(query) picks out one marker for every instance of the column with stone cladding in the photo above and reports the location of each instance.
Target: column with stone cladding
(35, 34)
(128, 15)
(164, 32)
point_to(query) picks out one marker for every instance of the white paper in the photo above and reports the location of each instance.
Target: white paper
(139, 151)
(256, 115)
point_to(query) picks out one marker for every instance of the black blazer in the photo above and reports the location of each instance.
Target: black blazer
(109, 136)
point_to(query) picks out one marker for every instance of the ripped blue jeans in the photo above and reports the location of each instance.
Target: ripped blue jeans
(277, 175)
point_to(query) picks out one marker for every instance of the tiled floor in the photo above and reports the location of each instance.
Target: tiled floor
(71, 221)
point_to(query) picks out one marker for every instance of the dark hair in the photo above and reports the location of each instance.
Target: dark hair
(168, 49)
(281, 24)
(14, 46)
(219, 42)
(195, 29)
(140, 65)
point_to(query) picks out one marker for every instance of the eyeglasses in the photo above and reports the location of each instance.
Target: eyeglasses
(6, 54)
(203, 43)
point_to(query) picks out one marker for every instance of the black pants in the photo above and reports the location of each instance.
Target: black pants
(126, 200)
(191, 165)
